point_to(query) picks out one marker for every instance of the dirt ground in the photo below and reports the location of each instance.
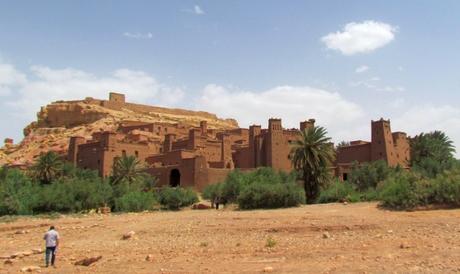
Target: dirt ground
(332, 238)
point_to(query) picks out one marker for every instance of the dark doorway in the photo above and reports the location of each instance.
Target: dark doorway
(345, 177)
(174, 178)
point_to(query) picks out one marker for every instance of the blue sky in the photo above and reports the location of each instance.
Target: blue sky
(341, 62)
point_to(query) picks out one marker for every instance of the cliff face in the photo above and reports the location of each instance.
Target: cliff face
(58, 121)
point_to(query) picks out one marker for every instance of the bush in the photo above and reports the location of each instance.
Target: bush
(73, 195)
(338, 192)
(175, 198)
(404, 190)
(445, 188)
(212, 191)
(135, 201)
(263, 195)
(369, 175)
(18, 194)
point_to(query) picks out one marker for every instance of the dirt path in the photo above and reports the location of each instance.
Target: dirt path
(333, 238)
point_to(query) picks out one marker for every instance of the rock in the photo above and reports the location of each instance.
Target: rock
(18, 255)
(268, 269)
(37, 251)
(200, 206)
(27, 253)
(88, 261)
(8, 262)
(149, 258)
(21, 232)
(326, 235)
(345, 203)
(404, 245)
(128, 235)
(30, 269)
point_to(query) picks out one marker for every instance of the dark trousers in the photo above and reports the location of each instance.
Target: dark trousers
(50, 251)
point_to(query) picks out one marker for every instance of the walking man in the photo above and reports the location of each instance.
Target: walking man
(52, 242)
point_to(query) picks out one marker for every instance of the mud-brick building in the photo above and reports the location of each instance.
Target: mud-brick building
(103, 149)
(269, 147)
(391, 147)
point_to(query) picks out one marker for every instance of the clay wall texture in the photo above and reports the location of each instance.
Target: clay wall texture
(199, 156)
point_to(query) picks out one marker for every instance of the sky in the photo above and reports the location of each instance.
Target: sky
(343, 63)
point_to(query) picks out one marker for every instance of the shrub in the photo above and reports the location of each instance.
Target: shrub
(18, 194)
(403, 190)
(263, 195)
(338, 192)
(175, 198)
(135, 201)
(212, 191)
(73, 195)
(445, 188)
(368, 175)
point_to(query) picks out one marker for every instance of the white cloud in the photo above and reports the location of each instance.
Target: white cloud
(372, 83)
(292, 104)
(138, 35)
(426, 118)
(198, 10)
(361, 37)
(66, 84)
(361, 69)
(9, 77)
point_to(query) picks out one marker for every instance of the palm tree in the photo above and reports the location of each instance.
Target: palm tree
(48, 167)
(432, 152)
(128, 169)
(312, 155)
(435, 145)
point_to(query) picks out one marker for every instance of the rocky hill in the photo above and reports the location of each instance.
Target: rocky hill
(60, 120)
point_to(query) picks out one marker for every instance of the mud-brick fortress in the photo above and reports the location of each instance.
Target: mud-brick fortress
(198, 156)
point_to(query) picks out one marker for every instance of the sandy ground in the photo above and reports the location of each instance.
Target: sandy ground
(333, 238)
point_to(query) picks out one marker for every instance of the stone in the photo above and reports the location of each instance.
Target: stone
(30, 268)
(404, 245)
(8, 262)
(326, 235)
(268, 269)
(201, 206)
(128, 235)
(88, 261)
(18, 255)
(21, 232)
(149, 258)
(37, 251)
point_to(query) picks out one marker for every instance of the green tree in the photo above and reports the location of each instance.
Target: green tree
(312, 155)
(128, 169)
(432, 153)
(48, 167)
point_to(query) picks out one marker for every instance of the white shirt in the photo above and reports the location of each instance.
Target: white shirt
(51, 238)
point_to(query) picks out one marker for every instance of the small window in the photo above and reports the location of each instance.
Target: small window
(136, 153)
(123, 153)
(345, 176)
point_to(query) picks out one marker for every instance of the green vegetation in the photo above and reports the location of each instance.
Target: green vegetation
(432, 153)
(136, 201)
(434, 178)
(54, 186)
(262, 188)
(312, 156)
(175, 198)
(270, 242)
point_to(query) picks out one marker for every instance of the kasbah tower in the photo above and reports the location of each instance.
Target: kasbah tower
(199, 156)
